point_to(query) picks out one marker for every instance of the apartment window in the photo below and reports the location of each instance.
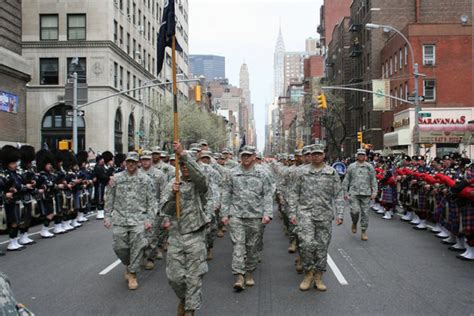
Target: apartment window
(115, 75)
(144, 26)
(429, 55)
(406, 55)
(76, 26)
(158, 11)
(115, 32)
(134, 86)
(139, 17)
(429, 90)
(139, 91)
(148, 4)
(128, 8)
(149, 61)
(49, 71)
(139, 51)
(134, 48)
(396, 61)
(134, 11)
(153, 65)
(128, 81)
(121, 78)
(391, 66)
(406, 90)
(153, 36)
(400, 93)
(153, 7)
(80, 68)
(401, 59)
(128, 43)
(121, 4)
(149, 28)
(49, 27)
(121, 36)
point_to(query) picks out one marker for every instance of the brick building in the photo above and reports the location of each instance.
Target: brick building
(15, 72)
(330, 14)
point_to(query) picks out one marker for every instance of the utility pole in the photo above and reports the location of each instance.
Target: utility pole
(74, 112)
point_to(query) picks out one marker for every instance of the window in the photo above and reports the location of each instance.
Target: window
(134, 86)
(429, 90)
(139, 17)
(153, 36)
(121, 78)
(144, 26)
(49, 71)
(391, 66)
(429, 55)
(395, 94)
(401, 59)
(128, 43)
(76, 26)
(115, 32)
(395, 60)
(80, 68)
(121, 36)
(128, 81)
(386, 69)
(134, 18)
(134, 48)
(406, 90)
(49, 27)
(115, 75)
(139, 91)
(400, 93)
(128, 9)
(406, 55)
(121, 4)
(149, 28)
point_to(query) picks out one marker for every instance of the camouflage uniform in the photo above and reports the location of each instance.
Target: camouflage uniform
(312, 202)
(167, 169)
(155, 235)
(247, 199)
(186, 259)
(360, 183)
(8, 303)
(130, 203)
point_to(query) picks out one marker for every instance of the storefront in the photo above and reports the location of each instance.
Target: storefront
(440, 131)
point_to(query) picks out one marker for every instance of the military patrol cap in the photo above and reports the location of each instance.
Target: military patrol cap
(194, 148)
(146, 154)
(132, 155)
(164, 154)
(361, 152)
(284, 156)
(299, 152)
(226, 151)
(218, 156)
(317, 148)
(260, 156)
(156, 150)
(173, 157)
(306, 150)
(206, 154)
(202, 142)
(248, 150)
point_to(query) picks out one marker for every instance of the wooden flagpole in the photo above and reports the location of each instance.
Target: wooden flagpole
(175, 119)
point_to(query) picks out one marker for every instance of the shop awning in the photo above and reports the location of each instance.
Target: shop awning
(401, 137)
(443, 134)
(447, 128)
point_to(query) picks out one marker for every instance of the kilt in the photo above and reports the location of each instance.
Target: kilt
(47, 206)
(467, 218)
(389, 195)
(453, 219)
(422, 201)
(440, 208)
(12, 211)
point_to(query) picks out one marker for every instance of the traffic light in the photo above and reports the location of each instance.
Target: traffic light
(359, 137)
(197, 93)
(322, 104)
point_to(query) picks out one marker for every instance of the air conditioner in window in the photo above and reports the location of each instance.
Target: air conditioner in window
(429, 62)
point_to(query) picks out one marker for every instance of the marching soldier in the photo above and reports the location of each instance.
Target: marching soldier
(166, 168)
(360, 186)
(247, 205)
(102, 173)
(129, 211)
(317, 194)
(229, 162)
(46, 190)
(186, 259)
(28, 173)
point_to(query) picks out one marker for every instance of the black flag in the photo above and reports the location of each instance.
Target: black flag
(167, 30)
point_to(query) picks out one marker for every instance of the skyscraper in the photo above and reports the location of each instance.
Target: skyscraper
(247, 115)
(279, 66)
(209, 66)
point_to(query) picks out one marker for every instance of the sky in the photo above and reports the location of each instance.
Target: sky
(246, 31)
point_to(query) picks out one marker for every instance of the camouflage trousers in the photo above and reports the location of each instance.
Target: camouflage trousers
(154, 237)
(211, 233)
(314, 237)
(129, 245)
(186, 266)
(360, 205)
(8, 303)
(246, 235)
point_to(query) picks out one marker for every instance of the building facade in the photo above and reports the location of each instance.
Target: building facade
(209, 66)
(111, 45)
(294, 68)
(279, 67)
(15, 73)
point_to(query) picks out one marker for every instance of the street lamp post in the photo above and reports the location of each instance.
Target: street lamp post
(372, 26)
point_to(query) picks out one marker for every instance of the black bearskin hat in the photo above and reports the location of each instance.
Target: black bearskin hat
(108, 156)
(82, 157)
(27, 154)
(119, 159)
(44, 157)
(69, 160)
(9, 154)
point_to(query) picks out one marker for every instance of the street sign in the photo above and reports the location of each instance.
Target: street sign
(424, 114)
(411, 98)
(82, 93)
(71, 113)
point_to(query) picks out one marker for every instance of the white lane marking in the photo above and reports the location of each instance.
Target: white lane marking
(37, 233)
(342, 280)
(110, 267)
(359, 272)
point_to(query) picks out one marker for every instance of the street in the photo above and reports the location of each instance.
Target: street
(399, 271)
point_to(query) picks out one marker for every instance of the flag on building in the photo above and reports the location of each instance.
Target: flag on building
(165, 35)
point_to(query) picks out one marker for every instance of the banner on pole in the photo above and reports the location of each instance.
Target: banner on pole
(379, 88)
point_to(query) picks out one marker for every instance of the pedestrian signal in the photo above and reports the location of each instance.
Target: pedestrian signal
(197, 93)
(359, 137)
(322, 104)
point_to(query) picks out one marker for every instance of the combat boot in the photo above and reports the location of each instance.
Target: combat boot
(224, 229)
(220, 233)
(159, 254)
(298, 265)
(127, 275)
(149, 265)
(239, 284)
(132, 281)
(364, 236)
(189, 313)
(307, 281)
(292, 247)
(209, 254)
(354, 228)
(318, 281)
(249, 281)
(181, 308)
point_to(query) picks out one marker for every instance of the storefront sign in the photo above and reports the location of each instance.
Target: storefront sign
(442, 137)
(401, 123)
(8, 102)
(442, 121)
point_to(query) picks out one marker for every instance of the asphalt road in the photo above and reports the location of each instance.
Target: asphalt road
(399, 271)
